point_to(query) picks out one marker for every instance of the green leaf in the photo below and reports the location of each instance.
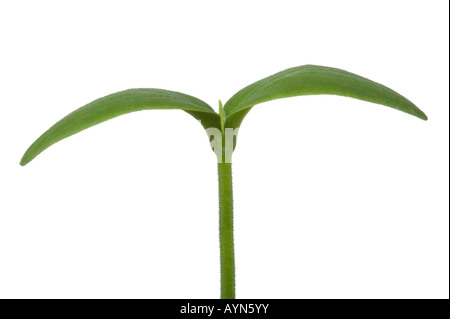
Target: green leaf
(117, 104)
(312, 80)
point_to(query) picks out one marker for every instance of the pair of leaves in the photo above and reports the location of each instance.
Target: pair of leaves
(303, 80)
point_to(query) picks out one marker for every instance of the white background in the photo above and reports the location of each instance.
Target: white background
(334, 197)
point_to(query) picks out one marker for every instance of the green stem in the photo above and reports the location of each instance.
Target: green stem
(227, 268)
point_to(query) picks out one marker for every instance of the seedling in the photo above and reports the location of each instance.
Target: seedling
(222, 127)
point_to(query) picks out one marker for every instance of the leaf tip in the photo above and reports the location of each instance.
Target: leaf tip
(420, 114)
(424, 117)
(24, 160)
(222, 115)
(27, 157)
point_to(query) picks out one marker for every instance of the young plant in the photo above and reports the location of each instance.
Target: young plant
(222, 127)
